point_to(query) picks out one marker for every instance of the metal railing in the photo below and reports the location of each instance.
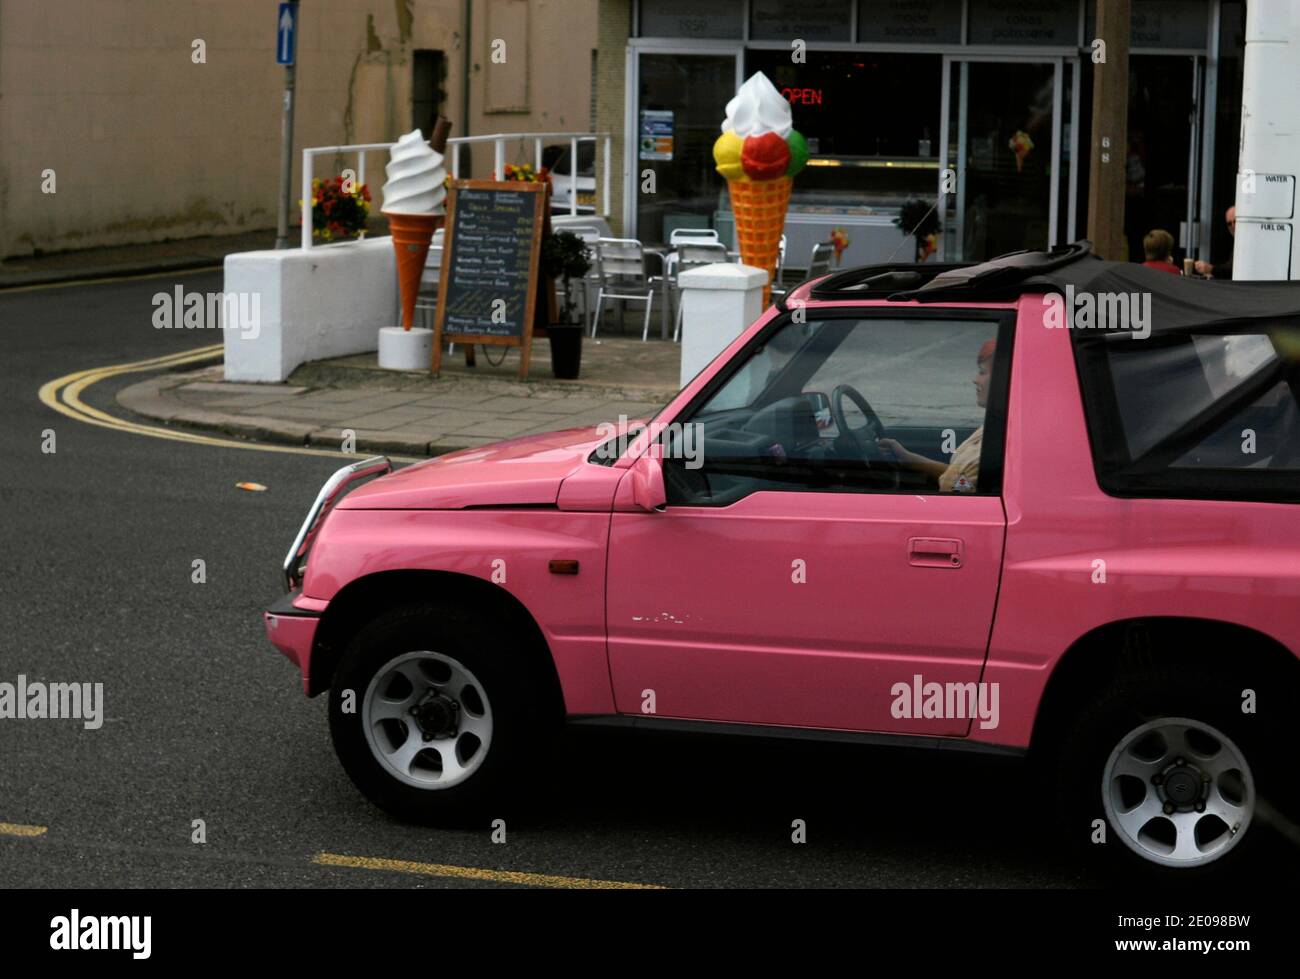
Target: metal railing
(499, 141)
(310, 153)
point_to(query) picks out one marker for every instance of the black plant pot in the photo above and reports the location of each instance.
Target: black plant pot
(566, 350)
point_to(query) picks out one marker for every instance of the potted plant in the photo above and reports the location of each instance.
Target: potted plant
(564, 257)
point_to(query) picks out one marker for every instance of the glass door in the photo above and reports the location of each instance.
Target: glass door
(1162, 167)
(1002, 151)
(680, 100)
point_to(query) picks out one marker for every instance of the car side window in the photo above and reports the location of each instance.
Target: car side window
(870, 405)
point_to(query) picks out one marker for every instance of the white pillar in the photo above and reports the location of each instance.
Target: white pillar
(718, 303)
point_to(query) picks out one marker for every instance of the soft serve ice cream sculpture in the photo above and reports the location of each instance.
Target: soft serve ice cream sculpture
(413, 203)
(759, 153)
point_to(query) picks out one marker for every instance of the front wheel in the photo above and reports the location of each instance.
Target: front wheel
(432, 715)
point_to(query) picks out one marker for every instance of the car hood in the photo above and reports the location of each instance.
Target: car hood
(525, 471)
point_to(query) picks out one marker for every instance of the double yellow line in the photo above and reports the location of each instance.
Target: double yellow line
(63, 394)
(417, 868)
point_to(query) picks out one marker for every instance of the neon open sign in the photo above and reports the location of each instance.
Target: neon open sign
(803, 96)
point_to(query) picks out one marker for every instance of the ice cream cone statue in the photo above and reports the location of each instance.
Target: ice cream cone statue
(1021, 145)
(759, 153)
(413, 204)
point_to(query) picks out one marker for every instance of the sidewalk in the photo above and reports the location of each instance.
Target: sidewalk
(411, 413)
(124, 260)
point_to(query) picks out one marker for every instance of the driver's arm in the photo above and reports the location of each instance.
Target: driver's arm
(911, 460)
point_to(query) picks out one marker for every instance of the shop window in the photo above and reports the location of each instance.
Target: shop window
(692, 18)
(1162, 23)
(808, 20)
(909, 21)
(1046, 22)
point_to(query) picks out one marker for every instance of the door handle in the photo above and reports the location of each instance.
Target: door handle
(935, 552)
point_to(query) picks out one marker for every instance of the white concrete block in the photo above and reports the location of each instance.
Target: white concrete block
(325, 302)
(718, 303)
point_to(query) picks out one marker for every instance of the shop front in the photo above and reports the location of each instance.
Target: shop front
(979, 109)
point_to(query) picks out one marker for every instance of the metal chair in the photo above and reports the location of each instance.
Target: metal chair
(823, 254)
(778, 280)
(427, 298)
(621, 264)
(693, 236)
(689, 256)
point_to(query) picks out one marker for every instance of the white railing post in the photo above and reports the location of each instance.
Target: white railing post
(361, 168)
(537, 153)
(500, 159)
(573, 177)
(605, 180)
(305, 209)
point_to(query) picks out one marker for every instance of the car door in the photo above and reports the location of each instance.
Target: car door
(788, 583)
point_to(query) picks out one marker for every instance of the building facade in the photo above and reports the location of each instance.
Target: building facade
(157, 119)
(892, 93)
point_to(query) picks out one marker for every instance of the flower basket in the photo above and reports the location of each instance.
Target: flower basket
(339, 212)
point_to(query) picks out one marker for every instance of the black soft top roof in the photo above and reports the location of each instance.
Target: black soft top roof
(1178, 304)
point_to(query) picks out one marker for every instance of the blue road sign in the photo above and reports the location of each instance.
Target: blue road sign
(286, 36)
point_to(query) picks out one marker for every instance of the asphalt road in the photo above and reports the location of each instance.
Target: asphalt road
(204, 720)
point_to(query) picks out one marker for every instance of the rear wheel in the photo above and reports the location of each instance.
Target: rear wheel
(433, 716)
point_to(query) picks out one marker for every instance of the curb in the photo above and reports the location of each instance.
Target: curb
(145, 398)
(24, 280)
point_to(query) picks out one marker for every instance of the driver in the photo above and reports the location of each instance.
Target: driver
(958, 475)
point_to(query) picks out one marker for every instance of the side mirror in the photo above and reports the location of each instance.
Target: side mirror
(647, 478)
(820, 404)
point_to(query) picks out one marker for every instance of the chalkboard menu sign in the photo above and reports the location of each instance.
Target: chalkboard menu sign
(490, 257)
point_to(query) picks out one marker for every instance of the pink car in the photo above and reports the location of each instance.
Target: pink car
(1042, 506)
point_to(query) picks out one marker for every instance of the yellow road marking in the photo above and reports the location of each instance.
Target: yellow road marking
(63, 394)
(472, 873)
(108, 278)
(18, 829)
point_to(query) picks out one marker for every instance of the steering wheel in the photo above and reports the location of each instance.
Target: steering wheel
(865, 437)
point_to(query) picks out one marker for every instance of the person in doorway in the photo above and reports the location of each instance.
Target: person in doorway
(1158, 246)
(960, 473)
(1223, 270)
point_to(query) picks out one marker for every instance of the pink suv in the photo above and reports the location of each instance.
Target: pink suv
(1044, 506)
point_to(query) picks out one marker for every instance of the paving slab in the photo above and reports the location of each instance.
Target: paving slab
(413, 413)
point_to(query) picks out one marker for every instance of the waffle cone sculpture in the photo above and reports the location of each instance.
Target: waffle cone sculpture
(759, 208)
(759, 154)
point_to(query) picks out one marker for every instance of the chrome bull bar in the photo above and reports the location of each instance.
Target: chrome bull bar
(334, 487)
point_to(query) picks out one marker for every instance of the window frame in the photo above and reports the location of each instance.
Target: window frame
(993, 446)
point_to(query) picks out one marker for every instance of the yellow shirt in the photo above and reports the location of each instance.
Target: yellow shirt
(964, 468)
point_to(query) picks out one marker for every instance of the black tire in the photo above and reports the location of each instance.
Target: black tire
(1075, 763)
(522, 719)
